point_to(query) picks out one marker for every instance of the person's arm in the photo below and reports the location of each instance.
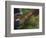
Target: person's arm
(25, 17)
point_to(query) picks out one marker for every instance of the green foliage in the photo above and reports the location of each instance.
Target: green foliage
(25, 11)
(33, 21)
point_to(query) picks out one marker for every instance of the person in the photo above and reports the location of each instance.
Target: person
(17, 21)
(16, 18)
